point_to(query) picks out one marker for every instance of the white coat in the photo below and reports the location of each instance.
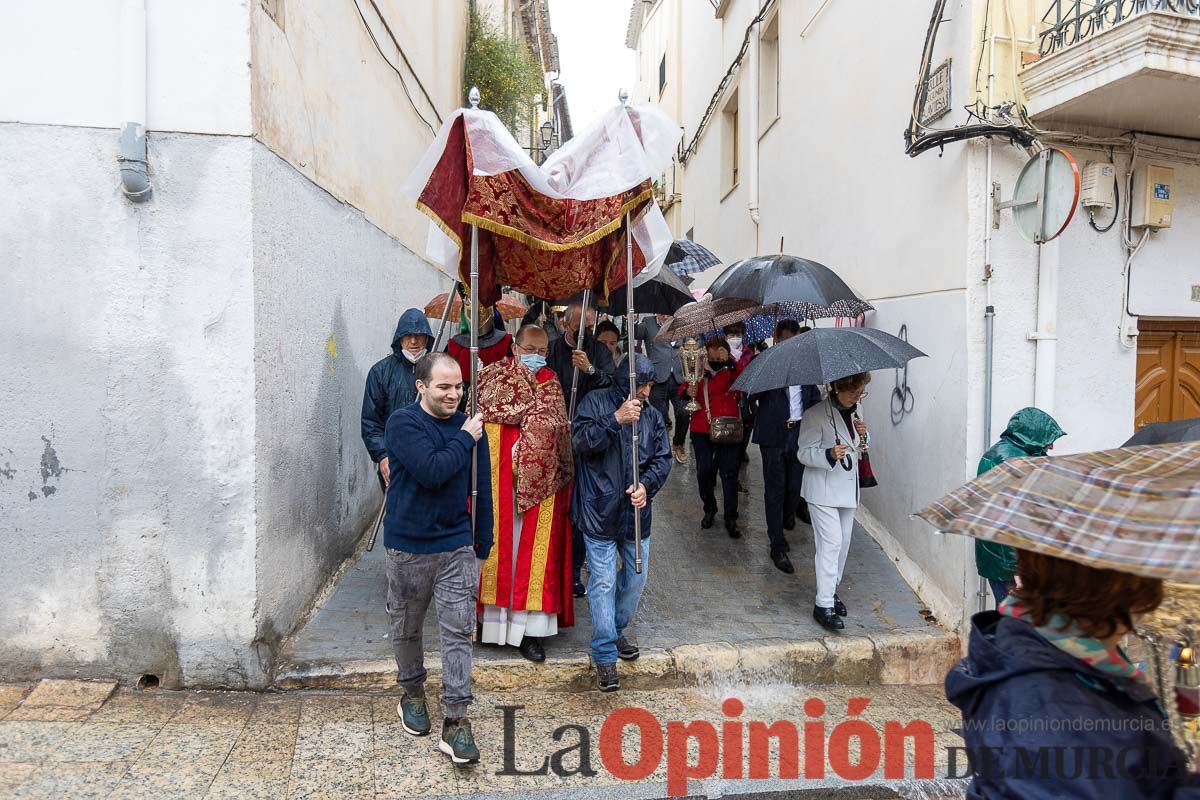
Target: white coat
(827, 485)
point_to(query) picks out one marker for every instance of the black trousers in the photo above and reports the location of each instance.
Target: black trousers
(664, 397)
(712, 460)
(783, 475)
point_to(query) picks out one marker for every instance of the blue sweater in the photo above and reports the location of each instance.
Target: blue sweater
(428, 508)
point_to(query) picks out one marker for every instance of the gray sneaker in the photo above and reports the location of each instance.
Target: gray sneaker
(627, 650)
(606, 676)
(414, 714)
(458, 742)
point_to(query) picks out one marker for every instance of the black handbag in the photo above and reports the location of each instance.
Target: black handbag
(722, 430)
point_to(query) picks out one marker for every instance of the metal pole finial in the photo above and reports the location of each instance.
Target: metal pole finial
(473, 97)
(623, 96)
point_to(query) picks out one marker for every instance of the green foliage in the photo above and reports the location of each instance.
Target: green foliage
(504, 70)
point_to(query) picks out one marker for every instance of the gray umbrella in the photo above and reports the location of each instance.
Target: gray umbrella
(801, 283)
(823, 355)
(1180, 430)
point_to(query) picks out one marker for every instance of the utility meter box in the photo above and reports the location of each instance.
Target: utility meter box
(1153, 197)
(1096, 186)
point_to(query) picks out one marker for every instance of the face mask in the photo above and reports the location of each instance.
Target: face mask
(412, 359)
(734, 341)
(717, 364)
(533, 361)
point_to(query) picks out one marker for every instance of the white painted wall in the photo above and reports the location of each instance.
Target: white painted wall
(62, 62)
(127, 497)
(328, 289)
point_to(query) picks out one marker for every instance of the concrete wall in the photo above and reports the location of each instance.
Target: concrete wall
(127, 496)
(328, 289)
(326, 100)
(68, 55)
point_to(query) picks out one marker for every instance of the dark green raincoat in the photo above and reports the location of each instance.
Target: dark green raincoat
(1029, 433)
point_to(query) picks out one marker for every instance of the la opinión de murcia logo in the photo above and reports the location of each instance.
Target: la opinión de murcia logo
(734, 748)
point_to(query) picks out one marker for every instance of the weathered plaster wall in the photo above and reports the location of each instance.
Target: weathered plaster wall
(327, 102)
(126, 496)
(328, 289)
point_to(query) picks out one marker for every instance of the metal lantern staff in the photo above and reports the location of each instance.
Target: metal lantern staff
(629, 358)
(587, 302)
(473, 99)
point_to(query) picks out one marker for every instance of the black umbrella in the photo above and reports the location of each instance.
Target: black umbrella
(1180, 430)
(813, 287)
(823, 355)
(665, 293)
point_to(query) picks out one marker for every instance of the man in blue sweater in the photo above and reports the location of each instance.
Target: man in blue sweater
(432, 553)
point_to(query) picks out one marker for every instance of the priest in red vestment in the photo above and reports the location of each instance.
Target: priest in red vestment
(525, 586)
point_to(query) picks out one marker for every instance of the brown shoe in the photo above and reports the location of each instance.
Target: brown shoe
(680, 454)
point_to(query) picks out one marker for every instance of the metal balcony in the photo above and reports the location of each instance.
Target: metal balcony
(1123, 65)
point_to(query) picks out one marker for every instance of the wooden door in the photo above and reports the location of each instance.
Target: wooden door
(1168, 372)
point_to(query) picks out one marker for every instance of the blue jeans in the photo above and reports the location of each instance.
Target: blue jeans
(613, 594)
(999, 589)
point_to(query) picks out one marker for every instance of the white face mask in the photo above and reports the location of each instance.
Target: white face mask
(735, 342)
(412, 359)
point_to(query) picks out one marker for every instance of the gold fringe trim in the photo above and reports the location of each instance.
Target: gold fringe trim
(557, 247)
(429, 212)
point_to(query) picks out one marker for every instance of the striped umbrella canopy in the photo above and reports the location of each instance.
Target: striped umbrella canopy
(706, 315)
(685, 257)
(1134, 509)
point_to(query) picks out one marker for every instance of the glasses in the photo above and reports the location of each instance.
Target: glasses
(529, 351)
(859, 395)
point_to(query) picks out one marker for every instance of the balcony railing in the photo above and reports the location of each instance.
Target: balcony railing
(1069, 22)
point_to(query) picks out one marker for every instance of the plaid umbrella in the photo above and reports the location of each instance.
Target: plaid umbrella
(1134, 509)
(686, 257)
(706, 315)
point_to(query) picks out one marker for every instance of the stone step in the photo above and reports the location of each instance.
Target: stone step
(917, 657)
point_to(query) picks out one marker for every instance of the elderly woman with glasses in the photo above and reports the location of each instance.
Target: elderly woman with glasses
(832, 438)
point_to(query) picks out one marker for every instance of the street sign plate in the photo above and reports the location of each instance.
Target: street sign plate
(935, 98)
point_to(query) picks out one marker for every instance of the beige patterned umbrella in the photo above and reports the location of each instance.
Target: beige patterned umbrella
(1135, 509)
(706, 315)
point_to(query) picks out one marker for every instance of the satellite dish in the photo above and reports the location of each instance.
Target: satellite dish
(1045, 198)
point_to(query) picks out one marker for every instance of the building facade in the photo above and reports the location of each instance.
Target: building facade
(794, 115)
(182, 466)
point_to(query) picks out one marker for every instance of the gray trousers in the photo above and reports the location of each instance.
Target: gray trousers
(451, 580)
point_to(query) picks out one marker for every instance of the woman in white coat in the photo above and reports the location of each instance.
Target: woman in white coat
(832, 436)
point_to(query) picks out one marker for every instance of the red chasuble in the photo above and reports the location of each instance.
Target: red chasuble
(489, 355)
(530, 447)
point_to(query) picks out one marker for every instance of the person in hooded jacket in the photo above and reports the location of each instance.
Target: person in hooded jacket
(603, 504)
(1052, 706)
(1030, 432)
(392, 385)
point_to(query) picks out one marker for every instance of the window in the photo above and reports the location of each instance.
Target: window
(662, 74)
(768, 74)
(730, 144)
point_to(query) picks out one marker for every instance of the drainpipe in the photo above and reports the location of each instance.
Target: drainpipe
(752, 113)
(989, 314)
(135, 178)
(1045, 338)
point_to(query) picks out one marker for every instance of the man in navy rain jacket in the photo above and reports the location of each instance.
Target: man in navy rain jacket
(391, 384)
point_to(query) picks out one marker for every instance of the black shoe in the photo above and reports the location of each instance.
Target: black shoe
(627, 650)
(803, 516)
(579, 590)
(789, 522)
(828, 619)
(606, 677)
(742, 488)
(839, 607)
(709, 517)
(531, 649)
(783, 563)
(732, 529)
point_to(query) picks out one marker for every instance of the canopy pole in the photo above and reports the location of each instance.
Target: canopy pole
(583, 312)
(630, 357)
(437, 340)
(474, 401)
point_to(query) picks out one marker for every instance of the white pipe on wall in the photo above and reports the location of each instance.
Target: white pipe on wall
(135, 178)
(1045, 338)
(752, 123)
